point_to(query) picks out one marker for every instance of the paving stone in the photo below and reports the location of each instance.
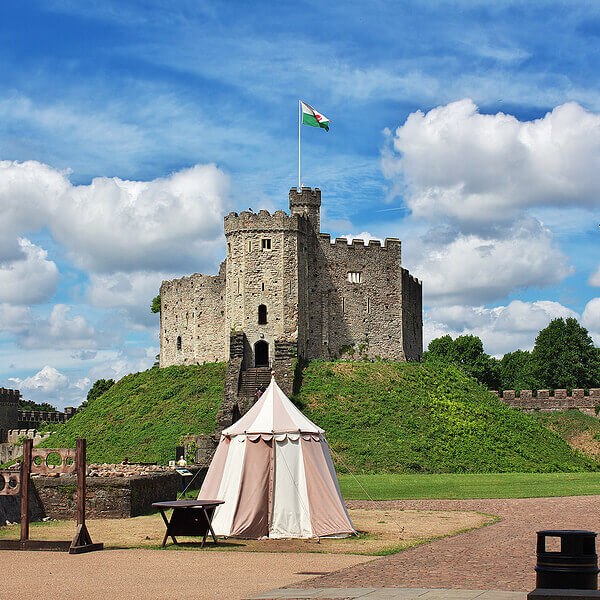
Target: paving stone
(497, 557)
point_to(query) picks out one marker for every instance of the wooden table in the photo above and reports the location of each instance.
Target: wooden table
(190, 517)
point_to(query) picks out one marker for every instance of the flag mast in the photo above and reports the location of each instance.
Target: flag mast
(299, 128)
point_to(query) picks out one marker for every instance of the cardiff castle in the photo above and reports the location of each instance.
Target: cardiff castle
(284, 289)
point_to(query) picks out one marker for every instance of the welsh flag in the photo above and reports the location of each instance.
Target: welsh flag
(313, 118)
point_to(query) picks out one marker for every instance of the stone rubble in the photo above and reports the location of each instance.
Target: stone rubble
(124, 470)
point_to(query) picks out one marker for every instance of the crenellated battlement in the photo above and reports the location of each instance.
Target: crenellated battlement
(264, 221)
(545, 402)
(9, 396)
(359, 244)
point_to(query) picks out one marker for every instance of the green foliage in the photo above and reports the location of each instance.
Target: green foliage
(517, 371)
(155, 307)
(467, 352)
(564, 356)
(30, 405)
(144, 415)
(100, 386)
(425, 418)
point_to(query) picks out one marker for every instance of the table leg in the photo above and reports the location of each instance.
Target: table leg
(210, 527)
(162, 513)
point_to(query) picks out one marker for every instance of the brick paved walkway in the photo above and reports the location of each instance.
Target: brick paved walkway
(496, 557)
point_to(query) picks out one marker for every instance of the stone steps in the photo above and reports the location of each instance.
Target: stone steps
(253, 379)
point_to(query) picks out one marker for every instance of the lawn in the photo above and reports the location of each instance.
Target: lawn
(473, 485)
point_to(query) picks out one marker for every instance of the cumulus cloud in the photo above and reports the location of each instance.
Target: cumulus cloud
(595, 278)
(113, 224)
(131, 292)
(56, 331)
(591, 319)
(481, 170)
(30, 279)
(502, 329)
(470, 269)
(47, 381)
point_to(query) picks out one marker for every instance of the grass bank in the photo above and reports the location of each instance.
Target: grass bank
(402, 418)
(143, 416)
(473, 485)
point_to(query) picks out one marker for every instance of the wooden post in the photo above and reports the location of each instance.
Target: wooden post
(25, 480)
(80, 466)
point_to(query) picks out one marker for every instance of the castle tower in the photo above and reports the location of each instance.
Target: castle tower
(265, 256)
(307, 202)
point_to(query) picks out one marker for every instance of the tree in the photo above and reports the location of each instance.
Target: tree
(564, 356)
(467, 352)
(31, 405)
(517, 371)
(155, 308)
(99, 388)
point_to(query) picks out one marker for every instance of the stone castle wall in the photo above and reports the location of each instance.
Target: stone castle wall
(192, 320)
(9, 411)
(263, 261)
(544, 402)
(327, 299)
(361, 301)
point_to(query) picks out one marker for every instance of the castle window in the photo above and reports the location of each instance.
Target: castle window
(265, 243)
(343, 305)
(263, 286)
(178, 342)
(355, 277)
(228, 247)
(250, 246)
(262, 315)
(368, 305)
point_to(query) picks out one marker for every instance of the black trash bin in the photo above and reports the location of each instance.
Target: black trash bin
(575, 567)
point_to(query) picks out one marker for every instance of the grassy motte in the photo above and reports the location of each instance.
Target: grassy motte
(143, 416)
(390, 417)
(456, 486)
(581, 431)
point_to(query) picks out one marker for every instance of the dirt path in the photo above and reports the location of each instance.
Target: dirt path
(500, 556)
(156, 574)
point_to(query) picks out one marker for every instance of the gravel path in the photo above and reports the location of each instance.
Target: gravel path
(499, 556)
(157, 574)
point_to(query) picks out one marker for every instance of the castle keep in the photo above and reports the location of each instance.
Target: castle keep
(285, 290)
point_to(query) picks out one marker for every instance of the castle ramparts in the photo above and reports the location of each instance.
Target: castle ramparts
(559, 401)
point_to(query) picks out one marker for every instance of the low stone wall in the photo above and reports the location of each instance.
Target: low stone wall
(543, 401)
(110, 497)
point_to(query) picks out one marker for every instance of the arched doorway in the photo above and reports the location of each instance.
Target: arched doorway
(261, 354)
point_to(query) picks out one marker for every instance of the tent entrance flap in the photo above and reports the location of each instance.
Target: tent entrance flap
(251, 518)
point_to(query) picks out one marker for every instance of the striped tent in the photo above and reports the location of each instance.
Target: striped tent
(274, 471)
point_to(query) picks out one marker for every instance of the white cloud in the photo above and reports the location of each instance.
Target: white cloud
(47, 381)
(132, 292)
(469, 269)
(56, 331)
(591, 319)
(30, 279)
(480, 170)
(113, 224)
(365, 236)
(595, 278)
(502, 329)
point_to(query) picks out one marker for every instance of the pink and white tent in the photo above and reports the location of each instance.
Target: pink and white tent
(274, 471)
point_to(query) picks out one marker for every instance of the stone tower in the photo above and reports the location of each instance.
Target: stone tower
(285, 290)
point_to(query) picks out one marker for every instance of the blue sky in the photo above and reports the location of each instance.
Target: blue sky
(128, 130)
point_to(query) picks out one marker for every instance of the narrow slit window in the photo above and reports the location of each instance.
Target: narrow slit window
(355, 277)
(250, 246)
(266, 243)
(368, 305)
(343, 305)
(262, 315)
(263, 286)
(178, 342)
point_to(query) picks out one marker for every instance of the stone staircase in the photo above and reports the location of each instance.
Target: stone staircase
(252, 380)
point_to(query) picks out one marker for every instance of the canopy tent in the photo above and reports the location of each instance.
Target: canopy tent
(274, 471)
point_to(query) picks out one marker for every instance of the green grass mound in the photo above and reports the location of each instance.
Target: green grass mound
(389, 417)
(143, 416)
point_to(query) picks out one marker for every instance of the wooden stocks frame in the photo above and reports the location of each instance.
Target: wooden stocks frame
(36, 460)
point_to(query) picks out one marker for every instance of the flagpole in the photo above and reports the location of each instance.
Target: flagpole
(299, 123)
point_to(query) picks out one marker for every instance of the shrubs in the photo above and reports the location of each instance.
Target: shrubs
(433, 418)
